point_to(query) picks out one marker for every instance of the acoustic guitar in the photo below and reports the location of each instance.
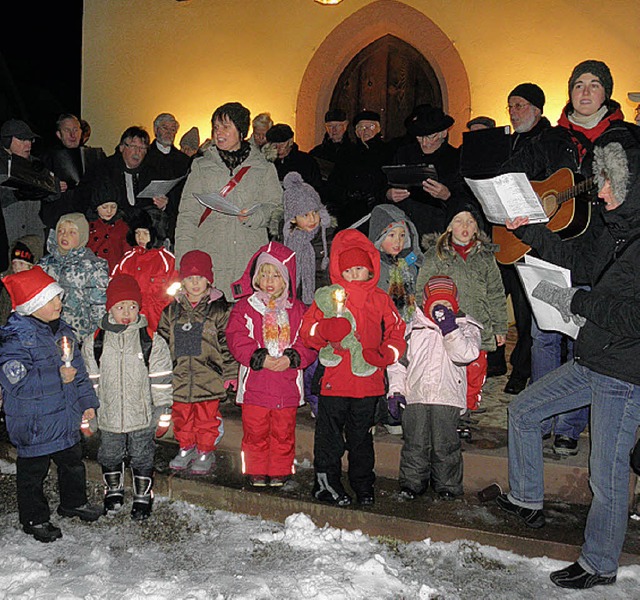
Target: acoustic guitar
(558, 194)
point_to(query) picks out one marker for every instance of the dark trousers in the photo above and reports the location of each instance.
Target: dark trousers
(33, 507)
(345, 424)
(521, 354)
(432, 451)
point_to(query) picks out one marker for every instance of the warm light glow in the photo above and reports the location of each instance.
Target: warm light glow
(328, 1)
(65, 346)
(339, 297)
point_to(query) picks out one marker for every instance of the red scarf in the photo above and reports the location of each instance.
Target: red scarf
(463, 251)
(591, 134)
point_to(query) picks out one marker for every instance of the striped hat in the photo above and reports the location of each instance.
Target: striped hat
(437, 289)
(31, 290)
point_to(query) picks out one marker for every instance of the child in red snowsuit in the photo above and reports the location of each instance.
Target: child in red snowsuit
(263, 336)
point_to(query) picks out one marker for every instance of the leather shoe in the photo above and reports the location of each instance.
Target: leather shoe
(531, 517)
(515, 384)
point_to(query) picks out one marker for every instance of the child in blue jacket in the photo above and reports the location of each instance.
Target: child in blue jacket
(45, 401)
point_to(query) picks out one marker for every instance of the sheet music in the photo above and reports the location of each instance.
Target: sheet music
(532, 272)
(220, 204)
(159, 187)
(508, 196)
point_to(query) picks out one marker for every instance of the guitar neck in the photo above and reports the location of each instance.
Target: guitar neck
(575, 190)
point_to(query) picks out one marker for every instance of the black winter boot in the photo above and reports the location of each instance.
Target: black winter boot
(142, 495)
(114, 488)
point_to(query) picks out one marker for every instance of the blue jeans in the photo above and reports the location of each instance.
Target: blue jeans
(546, 355)
(615, 416)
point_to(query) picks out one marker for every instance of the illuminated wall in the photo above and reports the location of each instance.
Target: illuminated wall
(144, 57)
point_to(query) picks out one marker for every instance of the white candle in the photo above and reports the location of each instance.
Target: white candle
(339, 296)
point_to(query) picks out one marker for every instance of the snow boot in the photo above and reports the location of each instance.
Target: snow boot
(203, 464)
(183, 459)
(114, 488)
(142, 495)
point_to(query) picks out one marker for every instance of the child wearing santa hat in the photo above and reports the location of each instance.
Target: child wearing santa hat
(194, 327)
(132, 373)
(47, 393)
(433, 381)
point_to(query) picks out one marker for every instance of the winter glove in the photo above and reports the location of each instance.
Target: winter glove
(444, 318)
(380, 357)
(333, 330)
(162, 416)
(396, 404)
(560, 298)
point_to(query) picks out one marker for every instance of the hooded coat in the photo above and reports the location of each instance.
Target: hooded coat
(609, 260)
(84, 278)
(378, 323)
(263, 387)
(381, 217)
(480, 289)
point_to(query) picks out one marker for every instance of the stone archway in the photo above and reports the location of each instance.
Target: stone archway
(358, 31)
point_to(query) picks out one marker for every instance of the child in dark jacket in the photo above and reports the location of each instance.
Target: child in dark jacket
(194, 327)
(263, 335)
(107, 227)
(358, 337)
(132, 373)
(47, 394)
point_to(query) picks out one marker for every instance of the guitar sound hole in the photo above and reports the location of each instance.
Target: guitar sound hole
(550, 204)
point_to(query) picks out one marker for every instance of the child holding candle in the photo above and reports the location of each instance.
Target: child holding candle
(132, 373)
(44, 402)
(354, 377)
(263, 336)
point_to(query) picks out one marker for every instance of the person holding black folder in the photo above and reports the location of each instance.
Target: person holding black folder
(426, 203)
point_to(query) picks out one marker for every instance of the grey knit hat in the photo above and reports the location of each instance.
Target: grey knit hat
(599, 69)
(299, 197)
(191, 139)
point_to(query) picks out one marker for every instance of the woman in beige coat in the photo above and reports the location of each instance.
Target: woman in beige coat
(236, 170)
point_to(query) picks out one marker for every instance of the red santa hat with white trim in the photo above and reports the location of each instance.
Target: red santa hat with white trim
(31, 290)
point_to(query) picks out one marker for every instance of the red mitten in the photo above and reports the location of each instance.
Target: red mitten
(333, 330)
(379, 357)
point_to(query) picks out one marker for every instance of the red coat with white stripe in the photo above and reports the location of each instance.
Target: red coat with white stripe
(155, 271)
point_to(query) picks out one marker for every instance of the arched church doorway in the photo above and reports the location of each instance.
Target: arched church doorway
(390, 77)
(358, 31)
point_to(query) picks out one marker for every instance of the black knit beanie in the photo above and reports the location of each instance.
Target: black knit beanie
(599, 69)
(531, 93)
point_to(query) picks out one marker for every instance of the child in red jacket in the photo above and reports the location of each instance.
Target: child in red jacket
(262, 335)
(358, 337)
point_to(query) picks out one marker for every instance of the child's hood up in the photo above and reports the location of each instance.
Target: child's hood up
(242, 287)
(384, 215)
(348, 239)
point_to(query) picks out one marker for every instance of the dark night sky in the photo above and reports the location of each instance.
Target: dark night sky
(40, 62)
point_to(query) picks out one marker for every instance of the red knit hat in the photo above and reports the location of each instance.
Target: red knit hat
(196, 262)
(354, 257)
(31, 290)
(123, 287)
(437, 289)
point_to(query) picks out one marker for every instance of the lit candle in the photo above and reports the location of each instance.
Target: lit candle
(339, 297)
(66, 350)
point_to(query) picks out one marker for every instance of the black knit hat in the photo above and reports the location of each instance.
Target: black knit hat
(335, 114)
(531, 93)
(366, 115)
(235, 112)
(280, 132)
(597, 68)
(153, 220)
(459, 207)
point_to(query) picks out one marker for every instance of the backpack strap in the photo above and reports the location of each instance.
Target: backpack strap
(146, 342)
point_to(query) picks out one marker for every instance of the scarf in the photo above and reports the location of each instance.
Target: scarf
(402, 289)
(588, 127)
(301, 243)
(234, 158)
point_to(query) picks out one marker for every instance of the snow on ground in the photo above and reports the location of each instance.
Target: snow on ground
(188, 553)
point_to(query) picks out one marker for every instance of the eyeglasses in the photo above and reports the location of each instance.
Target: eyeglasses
(518, 106)
(136, 147)
(369, 126)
